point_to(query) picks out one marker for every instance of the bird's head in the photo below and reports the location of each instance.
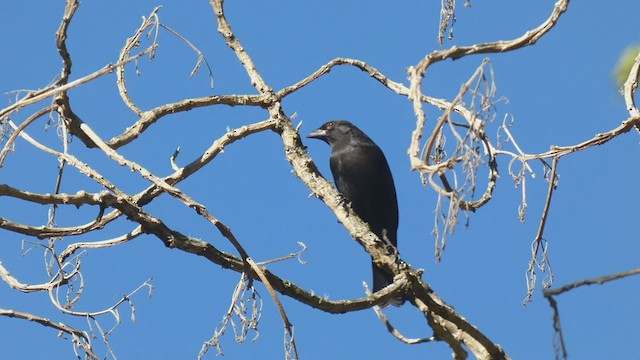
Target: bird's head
(333, 131)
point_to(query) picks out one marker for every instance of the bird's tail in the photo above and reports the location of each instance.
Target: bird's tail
(382, 279)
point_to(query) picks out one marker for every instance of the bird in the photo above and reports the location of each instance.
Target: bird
(361, 174)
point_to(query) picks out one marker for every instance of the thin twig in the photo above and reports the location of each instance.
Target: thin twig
(9, 144)
(287, 324)
(80, 338)
(396, 333)
(539, 237)
(550, 293)
(598, 281)
(53, 90)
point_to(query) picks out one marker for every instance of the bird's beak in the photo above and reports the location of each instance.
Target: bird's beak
(318, 134)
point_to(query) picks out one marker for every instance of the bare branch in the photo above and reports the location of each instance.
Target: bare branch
(10, 142)
(132, 42)
(630, 87)
(149, 117)
(53, 296)
(598, 281)
(79, 199)
(326, 68)
(394, 331)
(234, 43)
(533, 263)
(550, 293)
(71, 249)
(201, 57)
(57, 280)
(290, 342)
(80, 338)
(61, 38)
(297, 255)
(53, 90)
(561, 348)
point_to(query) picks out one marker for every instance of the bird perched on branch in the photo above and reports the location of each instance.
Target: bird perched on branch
(361, 174)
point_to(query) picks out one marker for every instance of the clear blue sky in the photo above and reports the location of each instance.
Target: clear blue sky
(560, 92)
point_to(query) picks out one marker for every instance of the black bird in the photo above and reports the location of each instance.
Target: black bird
(361, 173)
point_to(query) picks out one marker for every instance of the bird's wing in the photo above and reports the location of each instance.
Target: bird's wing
(362, 175)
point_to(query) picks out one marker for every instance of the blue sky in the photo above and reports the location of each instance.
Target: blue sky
(560, 92)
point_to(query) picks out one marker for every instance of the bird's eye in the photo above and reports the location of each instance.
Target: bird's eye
(331, 124)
